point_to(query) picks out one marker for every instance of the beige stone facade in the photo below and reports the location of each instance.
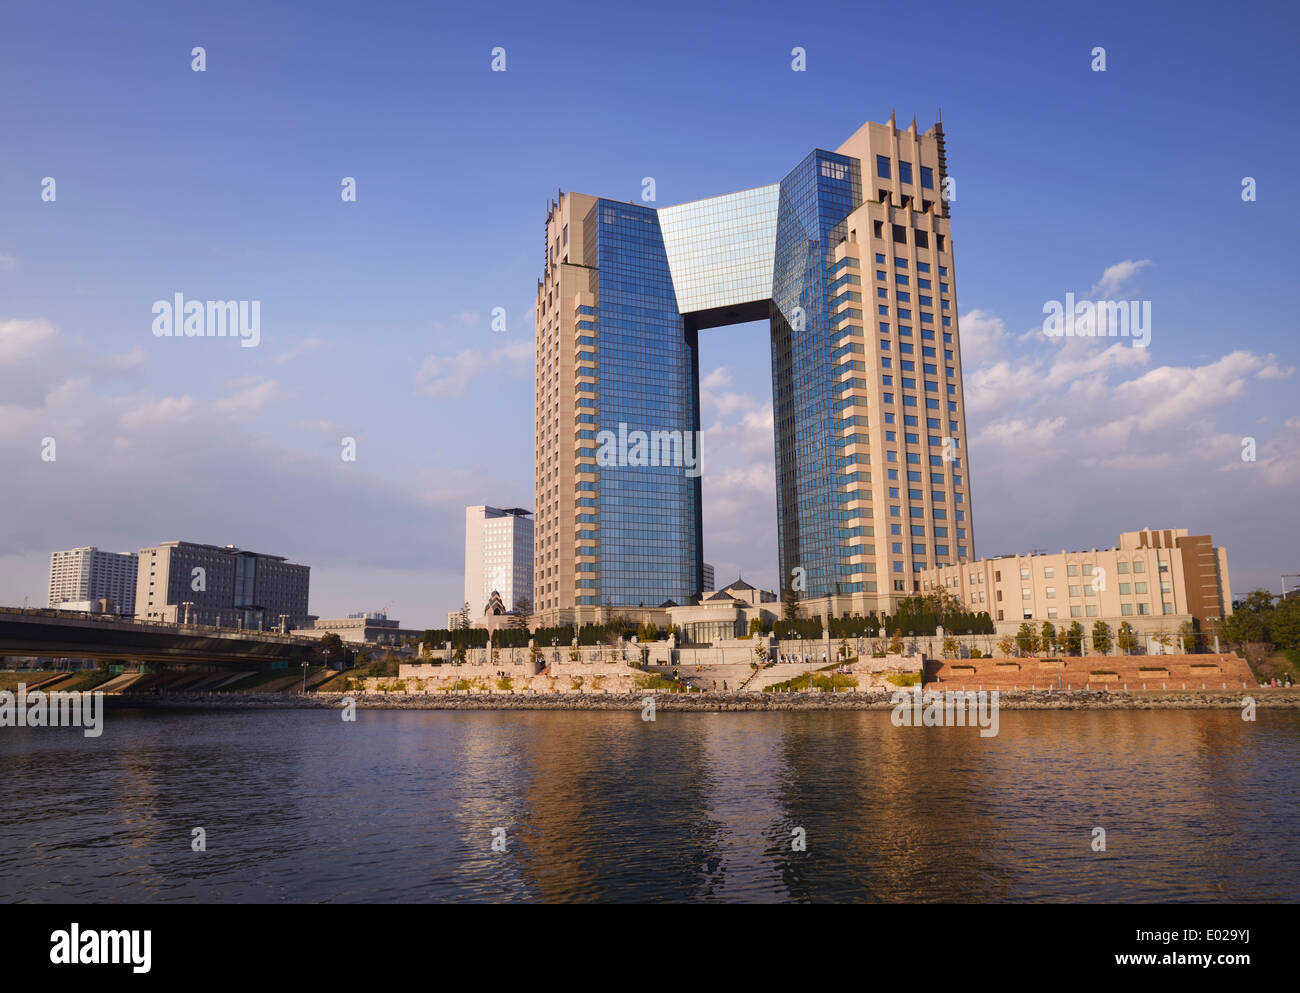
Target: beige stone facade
(566, 286)
(1155, 580)
(909, 479)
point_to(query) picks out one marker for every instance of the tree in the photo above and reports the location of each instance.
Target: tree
(1101, 637)
(755, 626)
(1243, 627)
(333, 644)
(1128, 640)
(1049, 637)
(943, 604)
(1006, 646)
(1284, 624)
(1074, 638)
(1027, 640)
(950, 647)
(789, 606)
(462, 619)
(896, 643)
(1257, 601)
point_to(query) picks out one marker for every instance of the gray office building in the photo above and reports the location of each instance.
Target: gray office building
(186, 582)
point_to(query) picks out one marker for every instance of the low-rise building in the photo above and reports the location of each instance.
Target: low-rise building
(1157, 580)
(360, 629)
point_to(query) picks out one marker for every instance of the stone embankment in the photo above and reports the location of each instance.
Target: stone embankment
(732, 701)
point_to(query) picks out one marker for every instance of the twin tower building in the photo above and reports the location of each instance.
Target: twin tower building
(849, 260)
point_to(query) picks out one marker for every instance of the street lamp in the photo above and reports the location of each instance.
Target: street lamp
(304, 678)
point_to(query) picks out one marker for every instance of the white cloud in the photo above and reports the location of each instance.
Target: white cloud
(715, 380)
(299, 348)
(23, 340)
(125, 361)
(449, 376)
(147, 413)
(982, 337)
(1116, 276)
(247, 401)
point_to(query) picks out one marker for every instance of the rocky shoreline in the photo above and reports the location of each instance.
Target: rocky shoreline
(732, 701)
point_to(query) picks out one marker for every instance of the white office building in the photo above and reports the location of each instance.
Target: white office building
(498, 556)
(86, 574)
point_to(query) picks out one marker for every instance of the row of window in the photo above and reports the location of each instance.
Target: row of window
(885, 171)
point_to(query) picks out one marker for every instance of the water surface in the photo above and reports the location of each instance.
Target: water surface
(298, 805)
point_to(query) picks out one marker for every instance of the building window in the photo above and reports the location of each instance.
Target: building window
(882, 166)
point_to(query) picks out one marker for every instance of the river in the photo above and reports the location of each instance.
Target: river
(299, 805)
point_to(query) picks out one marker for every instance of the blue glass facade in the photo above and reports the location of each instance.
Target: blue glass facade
(663, 274)
(815, 198)
(650, 519)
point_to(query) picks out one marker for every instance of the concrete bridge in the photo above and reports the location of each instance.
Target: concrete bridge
(62, 633)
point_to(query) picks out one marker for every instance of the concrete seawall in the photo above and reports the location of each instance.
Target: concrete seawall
(1016, 700)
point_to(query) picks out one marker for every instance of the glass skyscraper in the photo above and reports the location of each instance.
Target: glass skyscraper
(848, 260)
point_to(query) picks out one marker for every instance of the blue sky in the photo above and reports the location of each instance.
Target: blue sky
(376, 314)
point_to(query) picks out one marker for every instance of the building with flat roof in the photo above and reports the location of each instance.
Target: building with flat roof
(86, 574)
(187, 582)
(498, 557)
(1154, 579)
(365, 628)
(849, 260)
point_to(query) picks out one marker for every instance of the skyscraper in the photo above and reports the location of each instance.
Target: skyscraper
(866, 386)
(81, 574)
(498, 557)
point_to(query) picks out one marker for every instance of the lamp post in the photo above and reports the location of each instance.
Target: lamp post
(304, 678)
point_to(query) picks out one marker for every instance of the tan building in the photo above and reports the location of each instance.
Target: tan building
(872, 481)
(724, 614)
(1155, 580)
